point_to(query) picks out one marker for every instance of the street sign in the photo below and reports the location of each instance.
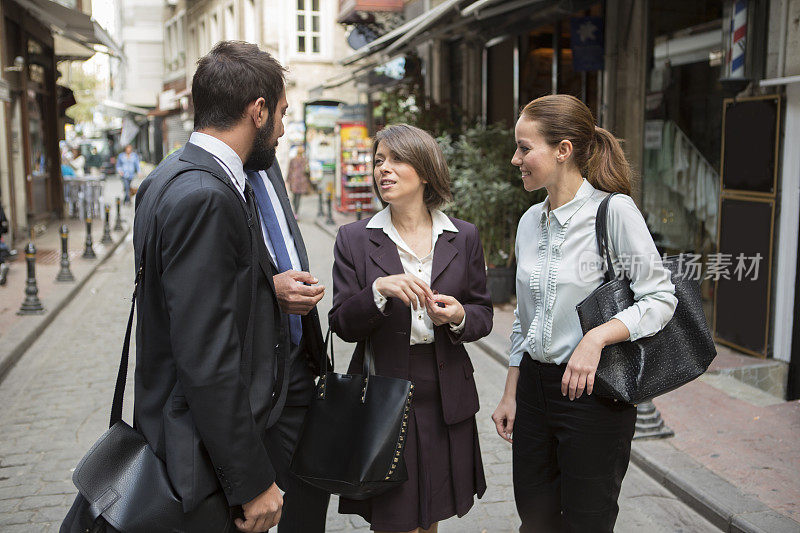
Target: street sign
(586, 37)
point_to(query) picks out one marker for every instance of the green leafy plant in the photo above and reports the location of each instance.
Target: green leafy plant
(487, 188)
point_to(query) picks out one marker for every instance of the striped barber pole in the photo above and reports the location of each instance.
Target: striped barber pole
(736, 53)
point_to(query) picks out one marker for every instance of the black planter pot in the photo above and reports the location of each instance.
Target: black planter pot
(500, 282)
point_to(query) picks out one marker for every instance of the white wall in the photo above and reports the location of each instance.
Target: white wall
(141, 37)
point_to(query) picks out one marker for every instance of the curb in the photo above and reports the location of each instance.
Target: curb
(717, 500)
(10, 357)
(330, 229)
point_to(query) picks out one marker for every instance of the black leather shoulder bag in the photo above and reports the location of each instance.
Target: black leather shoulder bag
(122, 484)
(638, 371)
(354, 432)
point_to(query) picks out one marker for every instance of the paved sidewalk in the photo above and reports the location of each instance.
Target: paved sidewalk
(17, 332)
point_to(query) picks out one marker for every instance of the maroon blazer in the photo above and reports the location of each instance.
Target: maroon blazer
(363, 254)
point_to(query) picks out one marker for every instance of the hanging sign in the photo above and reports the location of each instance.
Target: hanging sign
(586, 37)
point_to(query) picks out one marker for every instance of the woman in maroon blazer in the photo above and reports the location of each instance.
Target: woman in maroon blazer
(413, 281)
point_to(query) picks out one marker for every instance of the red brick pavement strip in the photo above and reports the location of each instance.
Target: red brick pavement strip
(17, 332)
(755, 448)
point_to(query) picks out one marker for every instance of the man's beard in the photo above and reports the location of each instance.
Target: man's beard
(262, 155)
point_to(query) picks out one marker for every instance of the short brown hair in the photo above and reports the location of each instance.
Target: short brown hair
(419, 149)
(597, 153)
(229, 78)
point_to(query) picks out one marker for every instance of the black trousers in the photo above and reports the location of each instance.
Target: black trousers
(569, 457)
(304, 507)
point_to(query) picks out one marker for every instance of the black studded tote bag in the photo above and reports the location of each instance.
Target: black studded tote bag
(638, 371)
(354, 432)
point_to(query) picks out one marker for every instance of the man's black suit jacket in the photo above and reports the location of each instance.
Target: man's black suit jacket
(200, 408)
(312, 332)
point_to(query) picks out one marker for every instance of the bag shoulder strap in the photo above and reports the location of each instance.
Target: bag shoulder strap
(601, 235)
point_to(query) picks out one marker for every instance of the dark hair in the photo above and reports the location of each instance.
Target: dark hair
(597, 152)
(229, 78)
(419, 149)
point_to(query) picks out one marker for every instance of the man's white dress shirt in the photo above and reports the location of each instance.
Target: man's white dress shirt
(229, 160)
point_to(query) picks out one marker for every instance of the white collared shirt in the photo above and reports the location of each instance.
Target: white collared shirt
(226, 156)
(230, 161)
(284, 225)
(421, 323)
(558, 265)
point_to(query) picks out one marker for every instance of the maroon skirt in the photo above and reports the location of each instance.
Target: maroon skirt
(443, 461)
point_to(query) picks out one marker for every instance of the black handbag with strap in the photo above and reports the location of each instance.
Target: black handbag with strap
(122, 484)
(637, 371)
(354, 431)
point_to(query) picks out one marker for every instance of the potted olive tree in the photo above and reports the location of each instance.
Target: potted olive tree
(488, 191)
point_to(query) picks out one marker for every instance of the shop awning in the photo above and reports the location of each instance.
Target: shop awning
(402, 33)
(76, 33)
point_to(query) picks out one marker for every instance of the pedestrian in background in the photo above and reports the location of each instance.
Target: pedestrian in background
(128, 169)
(570, 449)
(413, 282)
(78, 163)
(298, 178)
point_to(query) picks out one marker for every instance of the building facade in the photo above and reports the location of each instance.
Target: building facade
(302, 34)
(36, 37)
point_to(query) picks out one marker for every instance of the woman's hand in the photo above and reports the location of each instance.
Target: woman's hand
(451, 313)
(410, 289)
(506, 411)
(582, 365)
(504, 415)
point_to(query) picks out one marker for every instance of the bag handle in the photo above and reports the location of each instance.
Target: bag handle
(122, 372)
(601, 235)
(367, 369)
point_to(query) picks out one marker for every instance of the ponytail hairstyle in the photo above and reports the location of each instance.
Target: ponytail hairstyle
(596, 152)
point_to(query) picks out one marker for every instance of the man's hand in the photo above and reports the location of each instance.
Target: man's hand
(294, 297)
(262, 512)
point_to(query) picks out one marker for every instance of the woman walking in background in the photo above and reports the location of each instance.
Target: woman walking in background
(298, 178)
(413, 282)
(571, 448)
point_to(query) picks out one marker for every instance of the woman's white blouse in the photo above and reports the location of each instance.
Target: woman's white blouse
(421, 324)
(558, 265)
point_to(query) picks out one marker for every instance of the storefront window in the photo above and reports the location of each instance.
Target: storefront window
(683, 131)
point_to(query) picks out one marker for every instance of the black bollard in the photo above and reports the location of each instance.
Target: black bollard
(359, 210)
(107, 228)
(65, 274)
(320, 209)
(88, 251)
(329, 219)
(31, 305)
(649, 424)
(118, 223)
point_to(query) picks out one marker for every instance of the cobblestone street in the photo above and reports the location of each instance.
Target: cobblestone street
(56, 402)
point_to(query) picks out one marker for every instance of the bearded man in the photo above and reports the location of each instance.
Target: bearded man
(226, 320)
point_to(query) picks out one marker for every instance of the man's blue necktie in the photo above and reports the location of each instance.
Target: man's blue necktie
(275, 236)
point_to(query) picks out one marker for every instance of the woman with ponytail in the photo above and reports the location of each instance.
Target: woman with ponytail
(571, 448)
